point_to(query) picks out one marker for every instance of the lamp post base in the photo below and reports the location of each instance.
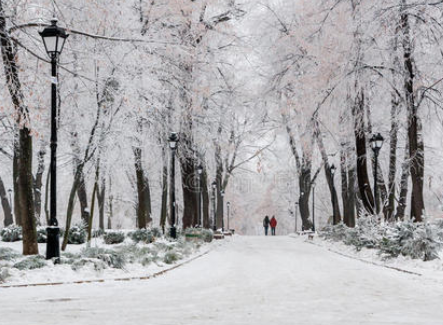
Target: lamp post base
(53, 243)
(173, 232)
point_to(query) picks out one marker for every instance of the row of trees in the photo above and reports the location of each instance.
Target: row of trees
(344, 70)
(129, 75)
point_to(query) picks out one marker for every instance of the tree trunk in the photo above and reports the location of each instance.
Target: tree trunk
(17, 214)
(360, 143)
(164, 202)
(25, 200)
(402, 201)
(81, 188)
(39, 180)
(205, 200)
(101, 195)
(416, 145)
(142, 213)
(329, 176)
(347, 186)
(25, 197)
(5, 205)
(392, 158)
(189, 197)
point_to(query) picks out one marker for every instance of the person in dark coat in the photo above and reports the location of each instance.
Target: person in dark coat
(266, 224)
(273, 224)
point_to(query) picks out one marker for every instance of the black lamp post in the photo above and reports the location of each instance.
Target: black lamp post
(199, 195)
(214, 210)
(54, 39)
(376, 145)
(173, 142)
(228, 207)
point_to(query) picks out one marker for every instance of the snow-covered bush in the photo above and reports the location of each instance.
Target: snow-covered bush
(96, 233)
(114, 237)
(7, 254)
(80, 263)
(156, 232)
(141, 235)
(11, 233)
(112, 258)
(31, 262)
(416, 240)
(366, 234)
(4, 274)
(207, 235)
(335, 233)
(423, 244)
(41, 235)
(172, 257)
(77, 234)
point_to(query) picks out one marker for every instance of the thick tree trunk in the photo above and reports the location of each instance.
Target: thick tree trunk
(402, 201)
(360, 143)
(38, 183)
(81, 188)
(205, 200)
(25, 197)
(189, 197)
(347, 186)
(25, 200)
(17, 215)
(101, 195)
(142, 213)
(5, 205)
(164, 201)
(416, 145)
(392, 158)
(336, 216)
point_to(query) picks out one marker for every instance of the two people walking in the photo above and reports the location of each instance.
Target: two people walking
(272, 223)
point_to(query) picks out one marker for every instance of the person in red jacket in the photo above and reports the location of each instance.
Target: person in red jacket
(273, 224)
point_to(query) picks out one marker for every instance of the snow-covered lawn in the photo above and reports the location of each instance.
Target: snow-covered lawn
(78, 265)
(243, 280)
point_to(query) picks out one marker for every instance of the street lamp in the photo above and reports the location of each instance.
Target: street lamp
(10, 197)
(376, 145)
(54, 39)
(199, 195)
(214, 212)
(173, 142)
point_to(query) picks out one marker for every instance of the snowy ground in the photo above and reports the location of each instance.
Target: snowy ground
(246, 280)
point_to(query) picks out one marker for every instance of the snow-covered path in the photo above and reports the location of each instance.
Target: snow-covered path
(248, 280)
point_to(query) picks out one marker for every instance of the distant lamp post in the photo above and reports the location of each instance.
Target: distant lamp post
(199, 194)
(376, 145)
(10, 197)
(228, 207)
(214, 210)
(54, 39)
(173, 143)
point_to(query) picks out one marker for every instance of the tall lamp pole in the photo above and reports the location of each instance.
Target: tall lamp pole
(376, 145)
(173, 142)
(214, 210)
(199, 195)
(54, 38)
